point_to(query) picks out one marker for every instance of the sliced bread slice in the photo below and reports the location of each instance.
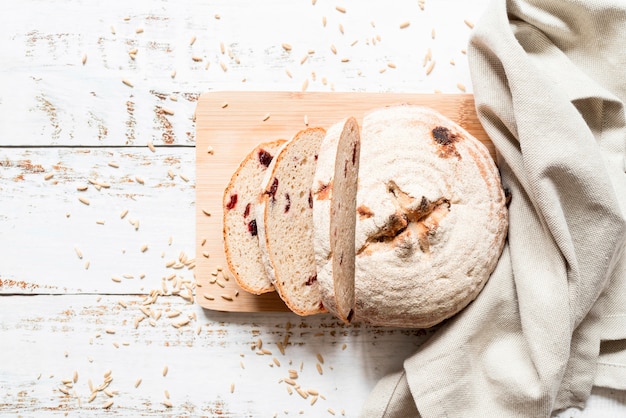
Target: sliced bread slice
(241, 244)
(334, 216)
(285, 222)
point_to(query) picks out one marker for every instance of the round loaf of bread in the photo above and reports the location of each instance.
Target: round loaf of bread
(431, 218)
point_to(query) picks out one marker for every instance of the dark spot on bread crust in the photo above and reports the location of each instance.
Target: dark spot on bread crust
(310, 200)
(444, 136)
(354, 154)
(446, 139)
(272, 190)
(252, 227)
(323, 192)
(246, 211)
(288, 204)
(311, 280)
(232, 202)
(364, 212)
(350, 315)
(265, 158)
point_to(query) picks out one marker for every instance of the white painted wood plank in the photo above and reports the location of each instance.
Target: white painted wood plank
(223, 349)
(48, 96)
(43, 223)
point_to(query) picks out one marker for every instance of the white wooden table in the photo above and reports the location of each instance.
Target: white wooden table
(97, 192)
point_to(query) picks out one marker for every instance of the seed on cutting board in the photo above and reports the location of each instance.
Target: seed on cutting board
(469, 23)
(266, 117)
(340, 9)
(139, 30)
(192, 40)
(109, 331)
(165, 369)
(461, 86)
(123, 214)
(127, 82)
(404, 25)
(432, 33)
(227, 297)
(113, 164)
(303, 60)
(345, 59)
(173, 74)
(341, 28)
(185, 178)
(305, 84)
(84, 200)
(196, 58)
(331, 411)
(100, 222)
(48, 176)
(286, 47)
(232, 387)
(116, 279)
(84, 59)
(319, 368)
(79, 253)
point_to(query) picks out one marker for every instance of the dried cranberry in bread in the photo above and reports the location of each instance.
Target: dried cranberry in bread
(431, 218)
(334, 206)
(241, 243)
(285, 222)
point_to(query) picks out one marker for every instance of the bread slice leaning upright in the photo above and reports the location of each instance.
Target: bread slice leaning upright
(241, 244)
(334, 216)
(285, 222)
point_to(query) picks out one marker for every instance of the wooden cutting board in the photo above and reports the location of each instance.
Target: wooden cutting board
(230, 124)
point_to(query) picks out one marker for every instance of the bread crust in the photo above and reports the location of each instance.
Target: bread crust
(431, 218)
(334, 195)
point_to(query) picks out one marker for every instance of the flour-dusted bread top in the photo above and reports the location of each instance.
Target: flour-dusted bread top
(241, 244)
(285, 222)
(431, 218)
(334, 204)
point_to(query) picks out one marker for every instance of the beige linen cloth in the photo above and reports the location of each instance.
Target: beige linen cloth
(549, 78)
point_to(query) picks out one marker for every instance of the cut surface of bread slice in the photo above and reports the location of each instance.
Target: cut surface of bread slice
(241, 244)
(432, 218)
(334, 216)
(285, 222)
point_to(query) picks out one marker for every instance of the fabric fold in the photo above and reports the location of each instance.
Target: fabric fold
(548, 85)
